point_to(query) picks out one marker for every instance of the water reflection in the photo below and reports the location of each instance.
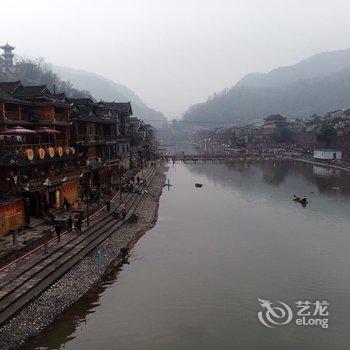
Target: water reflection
(62, 330)
(327, 180)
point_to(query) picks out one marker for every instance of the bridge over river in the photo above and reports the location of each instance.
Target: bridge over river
(194, 158)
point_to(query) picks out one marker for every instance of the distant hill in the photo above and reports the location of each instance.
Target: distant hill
(38, 72)
(102, 88)
(76, 83)
(318, 84)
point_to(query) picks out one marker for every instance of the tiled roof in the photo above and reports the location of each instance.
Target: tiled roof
(4, 96)
(10, 86)
(80, 101)
(120, 107)
(31, 91)
(15, 92)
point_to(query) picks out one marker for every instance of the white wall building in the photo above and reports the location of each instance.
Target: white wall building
(327, 154)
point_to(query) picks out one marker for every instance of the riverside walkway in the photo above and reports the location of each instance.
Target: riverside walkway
(25, 279)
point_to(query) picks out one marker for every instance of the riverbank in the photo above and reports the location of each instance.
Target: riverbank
(327, 165)
(35, 317)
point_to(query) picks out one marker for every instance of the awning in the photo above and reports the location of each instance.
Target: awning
(18, 130)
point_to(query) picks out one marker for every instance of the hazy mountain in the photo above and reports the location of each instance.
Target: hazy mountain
(316, 85)
(319, 65)
(102, 88)
(38, 72)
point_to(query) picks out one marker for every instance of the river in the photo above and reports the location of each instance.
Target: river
(195, 279)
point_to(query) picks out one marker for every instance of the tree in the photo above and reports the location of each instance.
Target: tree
(282, 136)
(327, 134)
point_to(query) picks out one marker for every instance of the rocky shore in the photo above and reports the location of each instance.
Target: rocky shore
(35, 317)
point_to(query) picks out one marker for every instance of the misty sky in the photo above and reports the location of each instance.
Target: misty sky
(174, 53)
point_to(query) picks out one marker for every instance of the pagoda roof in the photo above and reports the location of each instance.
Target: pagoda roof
(7, 47)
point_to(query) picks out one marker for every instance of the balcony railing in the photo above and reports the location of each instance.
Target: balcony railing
(27, 145)
(96, 138)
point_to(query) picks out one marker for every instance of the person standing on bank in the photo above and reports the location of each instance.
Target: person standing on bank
(70, 224)
(123, 212)
(58, 232)
(78, 225)
(108, 205)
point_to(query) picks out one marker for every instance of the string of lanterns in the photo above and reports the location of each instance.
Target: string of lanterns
(50, 152)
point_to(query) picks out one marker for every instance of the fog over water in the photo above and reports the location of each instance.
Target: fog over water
(175, 53)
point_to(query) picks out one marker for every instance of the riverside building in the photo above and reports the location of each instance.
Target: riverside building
(52, 149)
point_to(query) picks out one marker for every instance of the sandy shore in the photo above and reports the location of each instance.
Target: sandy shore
(35, 317)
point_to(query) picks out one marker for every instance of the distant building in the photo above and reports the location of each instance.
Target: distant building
(339, 113)
(313, 125)
(273, 123)
(327, 154)
(297, 125)
(6, 59)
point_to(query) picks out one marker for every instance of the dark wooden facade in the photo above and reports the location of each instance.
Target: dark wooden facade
(64, 145)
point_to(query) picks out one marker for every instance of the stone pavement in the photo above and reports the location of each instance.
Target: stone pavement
(38, 232)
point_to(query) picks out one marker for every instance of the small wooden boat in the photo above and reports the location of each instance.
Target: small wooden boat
(302, 200)
(198, 185)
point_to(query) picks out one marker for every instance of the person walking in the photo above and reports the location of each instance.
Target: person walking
(58, 232)
(70, 224)
(138, 180)
(78, 225)
(52, 218)
(123, 212)
(108, 205)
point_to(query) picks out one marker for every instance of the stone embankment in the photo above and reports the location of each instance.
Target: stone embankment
(36, 316)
